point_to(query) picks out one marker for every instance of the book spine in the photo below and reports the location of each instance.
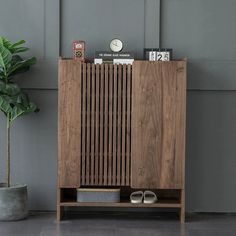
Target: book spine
(110, 56)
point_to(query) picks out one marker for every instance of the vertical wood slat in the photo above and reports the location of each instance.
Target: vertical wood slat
(110, 138)
(101, 126)
(123, 136)
(105, 169)
(97, 77)
(88, 150)
(119, 117)
(92, 160)
(83, 144)
(128, 125)
(114, 156)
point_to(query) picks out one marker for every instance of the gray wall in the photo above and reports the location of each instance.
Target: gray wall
(34, 137)
(203, 31)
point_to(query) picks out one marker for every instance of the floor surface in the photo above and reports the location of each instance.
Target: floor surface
(122, 224)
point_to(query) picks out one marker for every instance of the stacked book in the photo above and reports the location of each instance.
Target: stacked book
(113, 57)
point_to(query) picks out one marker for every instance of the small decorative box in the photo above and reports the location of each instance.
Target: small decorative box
(158, 54)
(79, 50)
(98, 195)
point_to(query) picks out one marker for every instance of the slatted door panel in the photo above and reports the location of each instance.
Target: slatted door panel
(105, 126)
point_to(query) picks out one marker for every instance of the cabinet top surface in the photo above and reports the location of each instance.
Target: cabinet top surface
(135, 61)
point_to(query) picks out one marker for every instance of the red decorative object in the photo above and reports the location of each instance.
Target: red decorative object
(79, 50)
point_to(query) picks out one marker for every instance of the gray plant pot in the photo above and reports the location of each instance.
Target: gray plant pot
(13, 202)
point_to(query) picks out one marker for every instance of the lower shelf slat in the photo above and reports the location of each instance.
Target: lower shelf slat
(167, 204)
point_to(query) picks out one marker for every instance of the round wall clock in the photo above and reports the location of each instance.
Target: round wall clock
(116, 45)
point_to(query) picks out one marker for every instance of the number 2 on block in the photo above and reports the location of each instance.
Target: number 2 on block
(163, 56)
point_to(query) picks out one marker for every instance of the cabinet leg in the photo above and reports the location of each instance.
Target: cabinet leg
(182, 209)
(60, 212)
(182, 215)
(60, 209)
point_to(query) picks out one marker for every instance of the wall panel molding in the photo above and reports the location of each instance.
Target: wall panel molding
(45, 24)
(152, 23)
(204, 32)
(36, 21)
(98, 21)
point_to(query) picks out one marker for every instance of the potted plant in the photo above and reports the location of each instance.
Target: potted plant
(14, 102)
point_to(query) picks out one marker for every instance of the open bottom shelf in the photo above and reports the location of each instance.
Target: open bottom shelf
(159, 204)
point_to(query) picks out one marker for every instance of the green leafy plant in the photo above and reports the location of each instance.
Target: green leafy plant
(14, 102)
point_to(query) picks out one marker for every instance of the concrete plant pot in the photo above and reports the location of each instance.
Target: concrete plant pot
(13, 202)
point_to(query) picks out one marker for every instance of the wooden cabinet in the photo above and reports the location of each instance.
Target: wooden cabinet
(122, 126)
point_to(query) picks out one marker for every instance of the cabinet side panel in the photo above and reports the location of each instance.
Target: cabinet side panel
(146, 123)
(181, 81)
(69, 123)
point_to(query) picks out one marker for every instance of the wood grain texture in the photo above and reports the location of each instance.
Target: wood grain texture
(93, 114)
(123, 204)
(155, 133)
(146, 125)
(119, 122)
(106, 98)
(83, 144)
(128, 124)
(181, 88)
(114, 144)
(168, 117)
(101, 140)
(110, 112)
(97, 130)
(88, 107)
(123, 128)
(69, 123)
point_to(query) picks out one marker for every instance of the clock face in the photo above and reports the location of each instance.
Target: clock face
(116, 45)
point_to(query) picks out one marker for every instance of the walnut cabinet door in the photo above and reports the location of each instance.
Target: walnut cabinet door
(158, 124)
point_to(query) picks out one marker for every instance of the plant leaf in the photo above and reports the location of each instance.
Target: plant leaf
(18, 43)
(20, 110)
(12, 89)
(19, 49)
(5, 57)
(2, 87)
(13, 47)
(20, 65)
(7, 43)
(5, 106)
(13, 101)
